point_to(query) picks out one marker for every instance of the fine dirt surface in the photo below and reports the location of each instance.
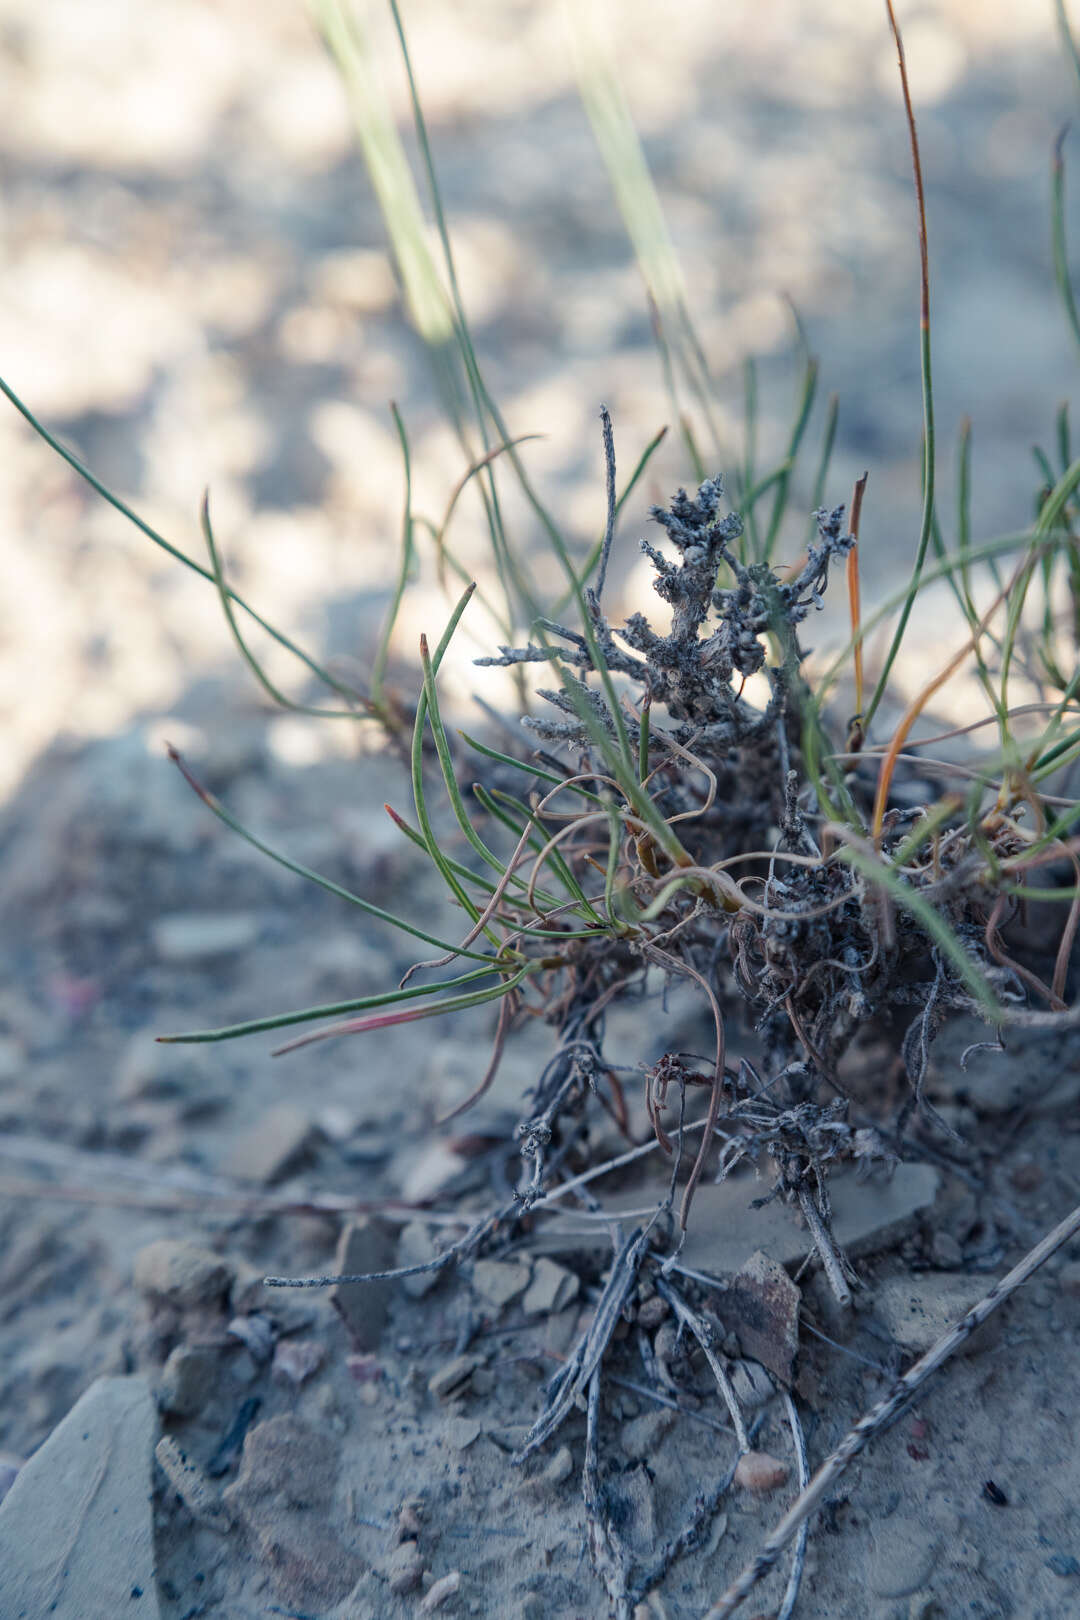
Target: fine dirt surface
(196, 291)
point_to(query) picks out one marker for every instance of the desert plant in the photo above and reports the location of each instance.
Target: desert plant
(688, 803)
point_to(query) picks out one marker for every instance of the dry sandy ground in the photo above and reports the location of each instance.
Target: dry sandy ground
(196, 292)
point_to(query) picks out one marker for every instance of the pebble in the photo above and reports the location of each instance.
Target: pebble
(405, 1567)
(297, 1360)
(553, 1288)
(192, 1486)
(188, 1380)
(76, 1527)
(752, 1385)
(945, 1251)
(500, 1281)
(415, 1246)
(365, 1245)
(463, 1433)
(652, 1312)
(182, 1273)
(256, 1333)
(430, 1172)
(247, 1292)
(643, 1436)
(454, 1377)
(554, 1473)
(199, 936)
(442, 1589)
(264, 1154)
(757, 1471)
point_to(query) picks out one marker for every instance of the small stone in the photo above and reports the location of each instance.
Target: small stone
(652, 1312)
(415, 1247)
(405, 1568)
(454, 1377)
(442, 1589)
(752, 1385)
(188, 1380)
(643, 1436)
(182, 1274)
(76, 1526)
(552, 1289)
(277, 1141)
(365, 1245)
(247, 1293)
(560, 1331)
(199, 936)
(256, 1332)
(430, 1172)
(554, 1474)
(463, 1433)
(192, 1486)
(763, 1303)
(297, 1360)
(945, 1252)
(483, 1381)
(500, 1281)
(758, 1472)
(411, 1515)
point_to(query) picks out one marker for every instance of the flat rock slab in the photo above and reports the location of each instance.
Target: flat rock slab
(724, 1231)
(867, 1216)
(76, 1528)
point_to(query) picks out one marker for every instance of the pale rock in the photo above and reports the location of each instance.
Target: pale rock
(182, 1274)
(416, 1246)
(553, 1474)
(76, 1527)
(454, 1377)
(405, 1567)
(188, 1380)
(200, 936)
(265, 1153)
(365, 1245)
(297, 1360)
(437, 1594)
(757, 1471)
(256, 1333)
(553, 1288)
(642, 1436)
(500, 1281)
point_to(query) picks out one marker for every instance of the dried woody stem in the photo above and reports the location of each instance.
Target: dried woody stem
(884, 1413)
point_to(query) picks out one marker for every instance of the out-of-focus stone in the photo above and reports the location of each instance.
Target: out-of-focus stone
(265, 1153)
(76, 1527)
(199, 936)
(182, 1274)
(366, 1245)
